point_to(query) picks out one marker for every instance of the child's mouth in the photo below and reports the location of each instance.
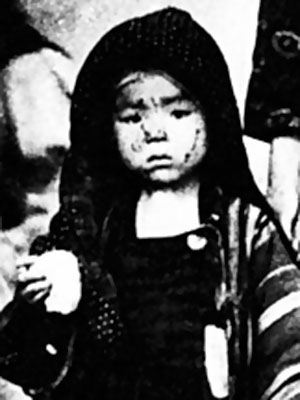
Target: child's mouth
(159, 158)
(156, 162)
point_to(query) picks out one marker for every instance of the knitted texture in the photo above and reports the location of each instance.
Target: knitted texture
(168, 40)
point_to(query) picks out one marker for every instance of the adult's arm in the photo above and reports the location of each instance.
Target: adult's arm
(275, 304)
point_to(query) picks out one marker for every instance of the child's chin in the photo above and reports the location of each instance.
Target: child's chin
(163, 177)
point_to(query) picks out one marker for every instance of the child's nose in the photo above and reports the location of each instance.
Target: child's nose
(154, 131)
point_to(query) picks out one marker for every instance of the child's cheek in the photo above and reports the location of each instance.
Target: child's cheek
(132, 138)
(129, 139)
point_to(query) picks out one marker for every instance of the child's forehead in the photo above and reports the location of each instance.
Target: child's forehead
(154, 83)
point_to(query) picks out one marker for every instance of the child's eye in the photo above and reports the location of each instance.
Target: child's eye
(130, 119)
(181, 113)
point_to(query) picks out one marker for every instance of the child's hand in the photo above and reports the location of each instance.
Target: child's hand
(53, 277)
(33, 286)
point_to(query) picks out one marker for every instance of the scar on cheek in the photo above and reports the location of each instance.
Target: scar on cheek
(197, 133)
(136, 147)
(189, 154)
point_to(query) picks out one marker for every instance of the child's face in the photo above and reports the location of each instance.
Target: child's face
(160, 131)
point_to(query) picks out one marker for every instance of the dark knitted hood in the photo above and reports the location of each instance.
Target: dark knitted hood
(168, 40)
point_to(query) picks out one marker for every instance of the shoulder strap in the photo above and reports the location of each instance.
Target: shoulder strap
(237, 295)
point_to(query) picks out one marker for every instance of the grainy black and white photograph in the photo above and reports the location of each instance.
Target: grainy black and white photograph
(150, 200)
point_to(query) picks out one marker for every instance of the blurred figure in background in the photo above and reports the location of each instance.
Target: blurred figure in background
(273, 106)
(34, 106)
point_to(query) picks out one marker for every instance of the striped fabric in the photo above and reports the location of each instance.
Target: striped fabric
(276, 318)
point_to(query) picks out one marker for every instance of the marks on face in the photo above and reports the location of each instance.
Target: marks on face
(160, 129)
(188, 155)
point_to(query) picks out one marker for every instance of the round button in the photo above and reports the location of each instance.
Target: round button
(51, 349)
(196, 242)
(215, 217)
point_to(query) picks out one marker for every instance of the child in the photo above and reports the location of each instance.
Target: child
(154, 195)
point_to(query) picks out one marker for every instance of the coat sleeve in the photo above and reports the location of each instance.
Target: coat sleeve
(275, 280)
(74, 229)
(40, 350)
(35, 347)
